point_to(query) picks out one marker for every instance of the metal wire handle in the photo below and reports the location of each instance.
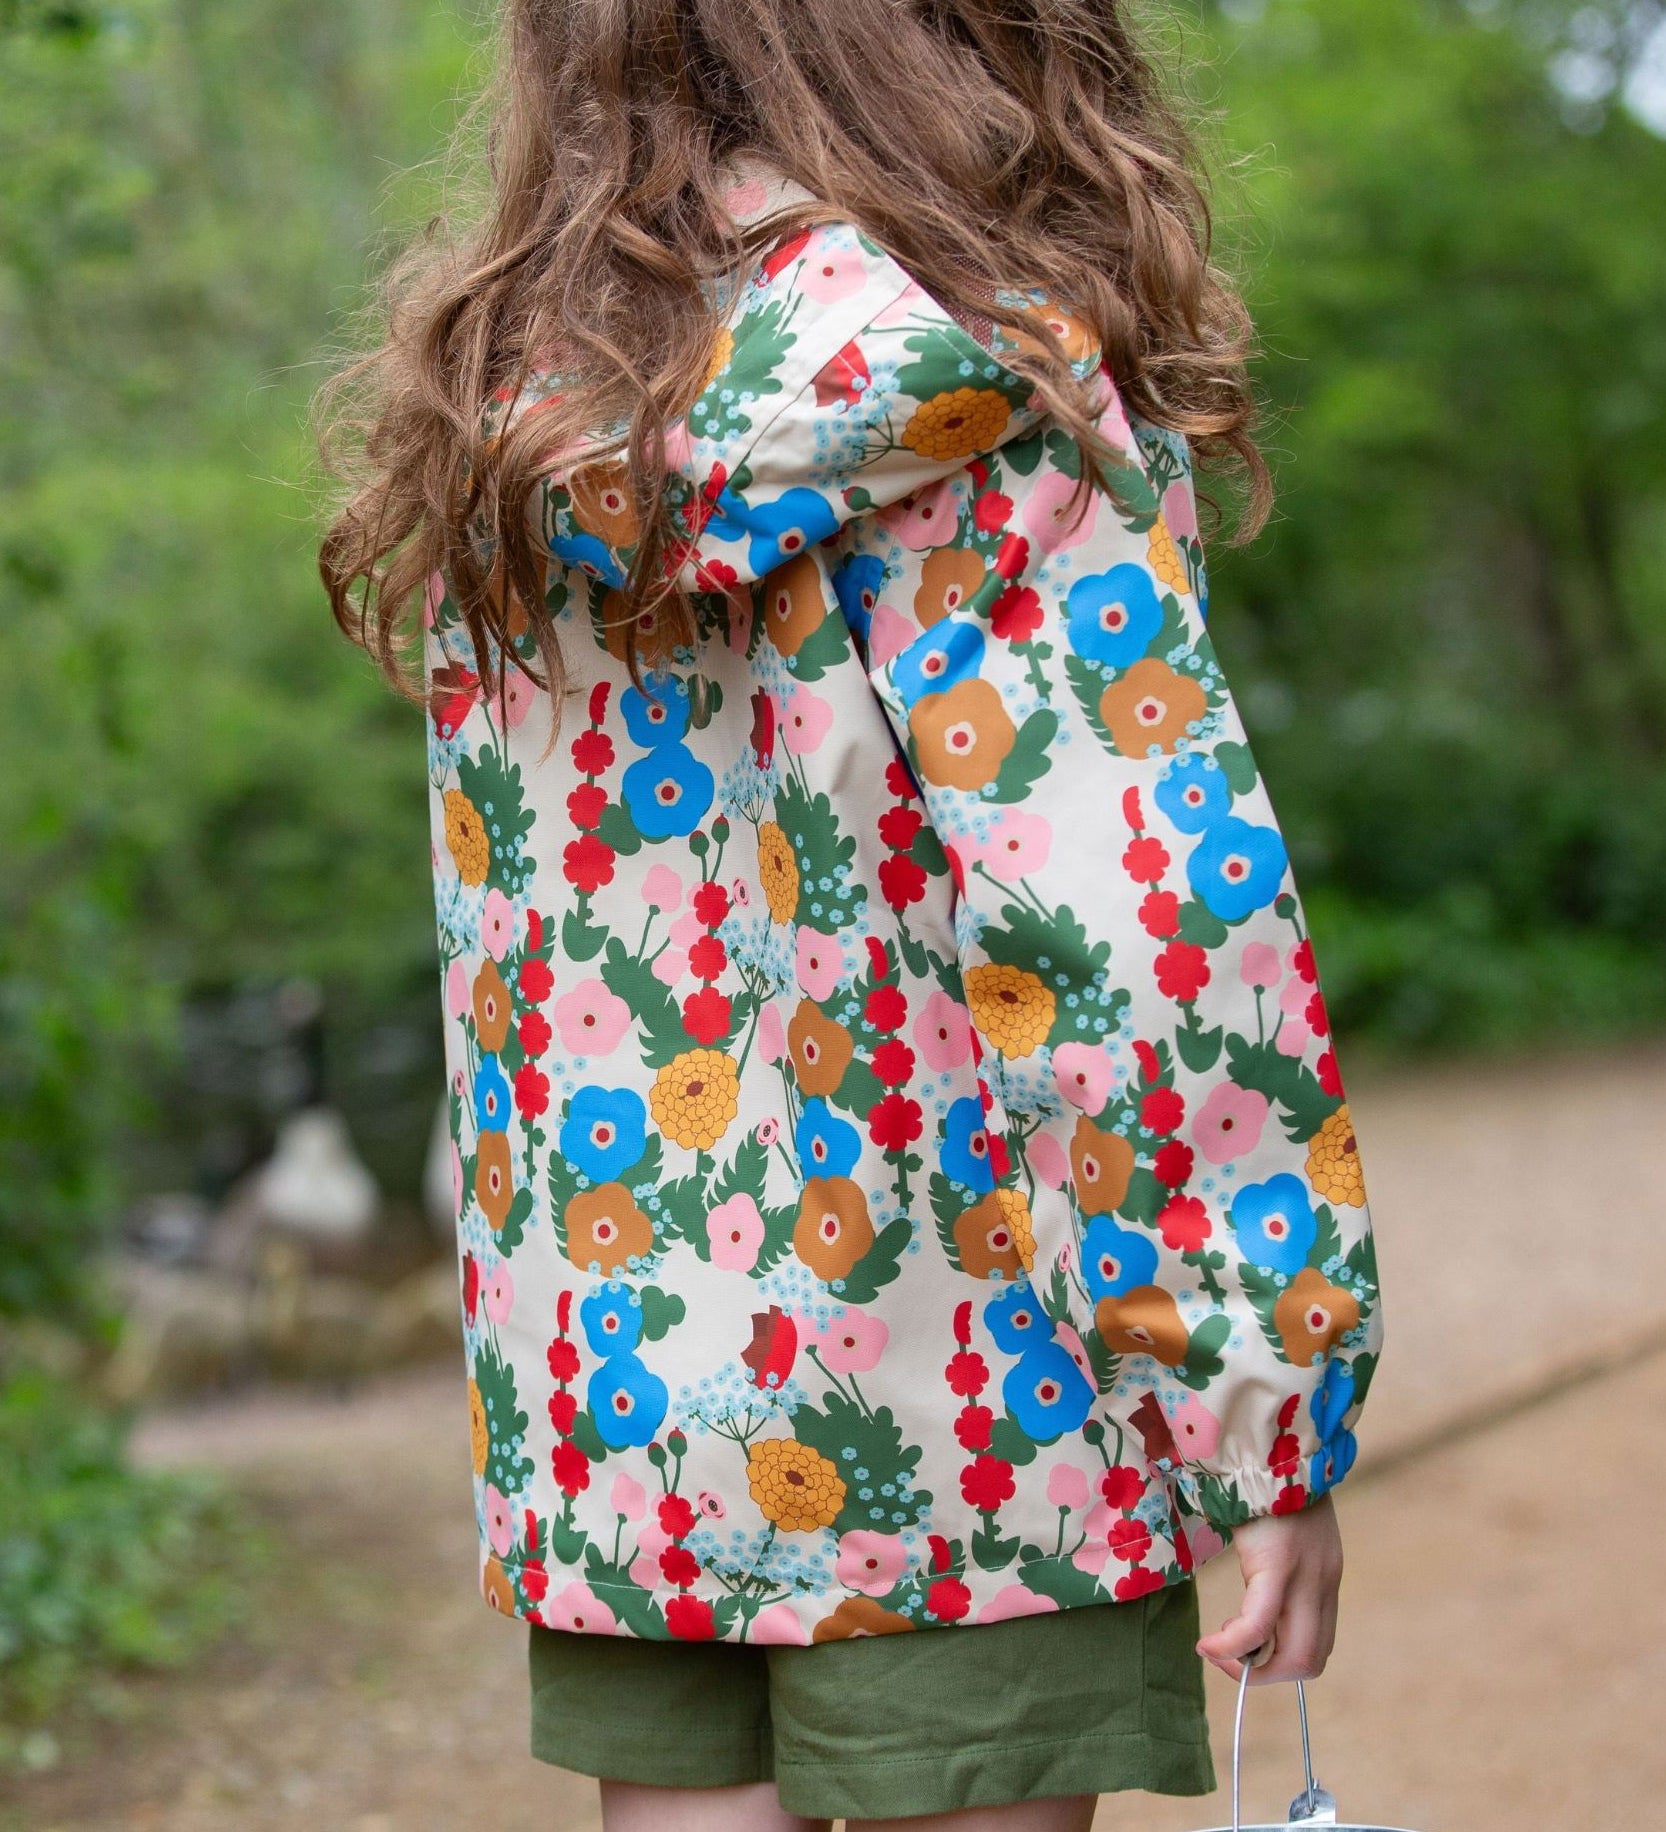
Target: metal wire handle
(1314, 1806)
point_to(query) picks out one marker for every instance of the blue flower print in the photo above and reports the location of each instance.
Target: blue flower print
(1193, 792)
(491, 1096)
(589, 555)
(1236, 868)
(965, 1149)
(612, 1319)
(1016, 1320)
(950, 653)
(1116, 1259)
(604, 1131)
(662, 719)
(827, 1145)
(667, 792)
(856, 585)
(1047, 1393)
(777, 530)
(1332, 1461)
(627, 1400)
(1332, 1398)
(1275, 1223)
(1114, 615)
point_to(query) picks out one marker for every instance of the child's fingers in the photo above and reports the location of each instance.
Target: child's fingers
(1253, 1625)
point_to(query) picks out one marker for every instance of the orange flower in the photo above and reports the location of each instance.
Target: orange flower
(994, 1237)
(1103, 1165)
(1012, 1007)
(821, 1049)
(859, 1616)
(495, 1586)
(795, 603)
(833, 1230)
(480, 1437)
(1333, 1164)
(1144, 1321)
(605, 1225)
(1312, 1316)
(795, 1487)
(465, 837)
(949, 577)
(491, 1006)
(1150, 705)
(963, 735)
(494, 1177)
(602, 503)
(957, 423)
(778, 870)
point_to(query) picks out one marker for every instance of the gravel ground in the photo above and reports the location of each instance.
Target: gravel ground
(1502, 1662)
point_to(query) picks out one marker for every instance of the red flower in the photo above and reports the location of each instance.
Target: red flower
(784, 256)
(991, 512)
(1146, 1057)
(676, 1516)
(714, 575)
(1000, 1159)
(532, 1090)
(972, 1426)
(1290, 1500)
(844, 377)
(563, 1359)
(1285, 1457)
(967, 1373)
(893, 1062)
(963, 1322)
(592, 753)
(1013, 557)
(471, 1285)
(1163, 1109)
(901, 881)
(1330, 1076)
(986, 1482)
(1172, 1164)
(1016, 615)
(585, 805)
(948, 1600)
(957, 868)
(1182, 971)
(587, 863)
(1145, 859)
(535, 1580)
(1301, 958)
(598, 702)
(1184, 1224)
(940, 1559)
(1131, 809)
(679, 1565)
(898, 826)
(711, 902)
(1160, 914)
(1130, 1540)
(899, 780)
(774, 1345)
(763, 728)
(1121, 1486)
(886, 1008)
(708, 957)
(1287, 1412)
(1183, 1554)
(563, 1412)
(534, 1030)
(894, 1122)
(534, 932)
(879, 962)
(706, 1015)
(536, 981)
(1318, 1018)
(690, 1619)
(570, 1466)
(1139, 1582)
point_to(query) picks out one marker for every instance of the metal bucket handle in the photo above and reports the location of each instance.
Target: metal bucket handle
(1314, 1806)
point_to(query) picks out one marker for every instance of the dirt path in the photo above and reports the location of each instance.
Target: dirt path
(1503, 1662)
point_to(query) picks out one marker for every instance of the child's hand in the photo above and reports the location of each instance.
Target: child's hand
(1292, 1568)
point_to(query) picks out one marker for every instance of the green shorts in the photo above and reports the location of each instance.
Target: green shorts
(1087, 1700)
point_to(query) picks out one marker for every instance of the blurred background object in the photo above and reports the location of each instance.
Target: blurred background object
(221, 1164)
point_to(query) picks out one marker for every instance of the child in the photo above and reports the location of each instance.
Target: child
(905, 1188)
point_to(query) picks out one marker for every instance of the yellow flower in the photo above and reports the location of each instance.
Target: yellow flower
(1011, 1006)
(465, 835)
(1333, 1165)
(1015, 1205)
(479, 1437)
(1166, 560)
(778, 871)
(957, 423)
(695, 1096)
(795, 1487)
(722, 350)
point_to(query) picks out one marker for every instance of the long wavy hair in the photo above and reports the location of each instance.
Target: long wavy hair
(985, 144)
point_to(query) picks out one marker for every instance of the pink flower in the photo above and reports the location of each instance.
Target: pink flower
(629, 1497)
(1206, 1543)
(821, 963)
(456, 1176)
(459, 996)
(591, 1019)
(580, 1611)
(1180, 511)
(806, 719)
(1259, 966)
(1072, 1344)
(662, 889)
(500, 1521)
(772, 1034)
(651, 1541)
(1015, 1600)
(497, 924)
(679, 446)
(1085, 1074)
(746, 199)
(499, 1294)
(928, 518)
(777, 1626)
(889, 633)
(1229, 1122)
(518, 695)
(870, 1562)
(1017, 845)
(1047, 516)
(830, 272)
(1067, 1486)
(669, 965)
(943, 1032)
(766, 1132)
(1293, 1037)
(735, 1230)
(853, 1343)
(710, 1504)
(687, 929)
(1048, 1159)
(1094, 1553)
(1293, 997)
(1196, 1429)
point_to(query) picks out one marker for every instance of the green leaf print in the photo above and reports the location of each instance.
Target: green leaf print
(1237, 764)
(1221, 1501)
(624, 1596)
(761, 341)
(1010, 1441)
(513, 1232)
(1023, 455)
(826, 647)
(618, 829)
(1263, 1290)
(1201, 926)
(506, 1468)
(992, 1551)
(1203, 1361)
(585, 1435)
(1057, 1577)
(1028, 760)
(662, 1311)
(879, 1265)
(938, 368)
(829, 898)
(876, 1466)
(1088, 681)
(580, 936)
(498, 798)
(651, 1003)
(1285, 1080)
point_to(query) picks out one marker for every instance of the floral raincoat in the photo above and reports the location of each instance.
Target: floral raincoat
(903, 1174)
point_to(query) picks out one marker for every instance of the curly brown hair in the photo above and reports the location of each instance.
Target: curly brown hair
(996, 144)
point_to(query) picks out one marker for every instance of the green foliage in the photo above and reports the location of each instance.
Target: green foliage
(101, 1568)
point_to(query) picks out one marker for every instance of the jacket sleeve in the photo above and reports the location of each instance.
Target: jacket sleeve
(1163, 1093)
